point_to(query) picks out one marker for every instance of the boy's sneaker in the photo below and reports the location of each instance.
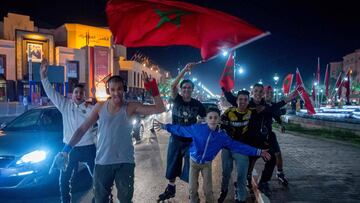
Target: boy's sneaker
(222, 197)
(281, 177)
(169, 193)
(264, 188)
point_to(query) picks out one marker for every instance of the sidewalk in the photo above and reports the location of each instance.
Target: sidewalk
(318, 170)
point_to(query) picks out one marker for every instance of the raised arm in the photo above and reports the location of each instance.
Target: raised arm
(229, 97)
(138, 108)
(245, 149)
(174, 84)
(56, 98)
(182, 131)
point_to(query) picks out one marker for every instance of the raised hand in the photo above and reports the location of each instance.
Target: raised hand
(44, 68)
(158, 125)
(190, 65)
(150, 85)
(265, 155)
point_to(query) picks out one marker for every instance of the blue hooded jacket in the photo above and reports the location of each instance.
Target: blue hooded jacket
(207, 143)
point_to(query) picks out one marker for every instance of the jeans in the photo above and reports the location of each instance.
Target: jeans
(78, 154)
(206, 173)
(242, 163)
(104, 176)
(177, 151)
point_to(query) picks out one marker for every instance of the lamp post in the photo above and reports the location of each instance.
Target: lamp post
(276, 80)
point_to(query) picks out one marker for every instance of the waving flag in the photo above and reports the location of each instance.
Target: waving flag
(338, 84)
(137, 23)
(326, 81)
(346, 84)
(287, 83)
(227, 78)
(303, 94)
(318, 71)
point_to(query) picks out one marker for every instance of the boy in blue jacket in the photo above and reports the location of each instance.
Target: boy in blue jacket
(208, 140)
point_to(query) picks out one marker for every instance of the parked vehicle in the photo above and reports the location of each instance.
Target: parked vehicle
(28, 145)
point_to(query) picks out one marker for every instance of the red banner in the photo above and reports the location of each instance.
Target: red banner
(303, 94)
(287, 83)
(138, 23)
(227, 78)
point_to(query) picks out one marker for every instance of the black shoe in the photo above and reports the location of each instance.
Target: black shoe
(281, 177)
(169, 193)
(238, 201)
(264, 188)
(222, 196)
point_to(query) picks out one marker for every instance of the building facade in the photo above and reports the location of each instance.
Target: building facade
(77, 54)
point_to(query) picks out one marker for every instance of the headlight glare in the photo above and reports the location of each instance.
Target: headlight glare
(33, 157)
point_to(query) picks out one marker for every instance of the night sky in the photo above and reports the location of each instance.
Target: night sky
(301, 31)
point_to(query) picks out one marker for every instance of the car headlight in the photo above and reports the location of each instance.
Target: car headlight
(33, 157)
(134, 122)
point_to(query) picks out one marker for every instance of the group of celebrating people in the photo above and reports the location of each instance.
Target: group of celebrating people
(243, 133)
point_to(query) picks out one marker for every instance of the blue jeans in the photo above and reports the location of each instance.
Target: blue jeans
(78, 154)
(177, 152)
(242, 163)
(104, 176)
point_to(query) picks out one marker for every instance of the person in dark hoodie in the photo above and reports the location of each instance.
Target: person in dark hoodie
(261, 126)
(208, 140)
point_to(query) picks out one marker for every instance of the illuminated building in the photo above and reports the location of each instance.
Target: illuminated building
(76, 53)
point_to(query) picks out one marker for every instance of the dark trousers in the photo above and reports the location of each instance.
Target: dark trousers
(84, 154)
(268, 168)
(178, 159)
(104, 177)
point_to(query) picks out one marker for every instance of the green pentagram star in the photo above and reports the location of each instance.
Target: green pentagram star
(165, 17)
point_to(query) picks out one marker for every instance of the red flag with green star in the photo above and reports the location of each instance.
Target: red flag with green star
(287, 83)
(227, 78)
(138, 23)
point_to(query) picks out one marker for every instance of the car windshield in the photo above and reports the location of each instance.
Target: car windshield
(26, 121)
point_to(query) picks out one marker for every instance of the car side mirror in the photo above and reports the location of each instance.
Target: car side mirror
(3, 125)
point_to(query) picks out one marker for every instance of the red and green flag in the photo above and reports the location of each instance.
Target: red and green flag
(326, 81)
(138, 23)
(287, 83)
(303, 94)
(227, 78)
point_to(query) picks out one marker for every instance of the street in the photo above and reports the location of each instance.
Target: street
(318, 170)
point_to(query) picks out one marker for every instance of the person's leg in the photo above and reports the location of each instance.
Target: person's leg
(173, 167)
(103, 180)
(279, 162)
(124, 179)
(185, 146)
(194, 181)
(252, 161)
(66, 176)
(227, 167)
(87, 155)
(266, 175)
(206, 173)
(242, 164)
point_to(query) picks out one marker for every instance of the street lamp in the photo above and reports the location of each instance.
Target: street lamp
(276, 80)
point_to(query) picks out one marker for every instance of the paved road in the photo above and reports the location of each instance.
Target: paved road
(318, 170)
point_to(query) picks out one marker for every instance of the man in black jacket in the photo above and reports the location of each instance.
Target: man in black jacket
(262, 126)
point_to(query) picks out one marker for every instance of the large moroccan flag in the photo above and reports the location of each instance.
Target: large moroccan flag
(138, 23)
(303, 94)
(287, 83)
(227, 78)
